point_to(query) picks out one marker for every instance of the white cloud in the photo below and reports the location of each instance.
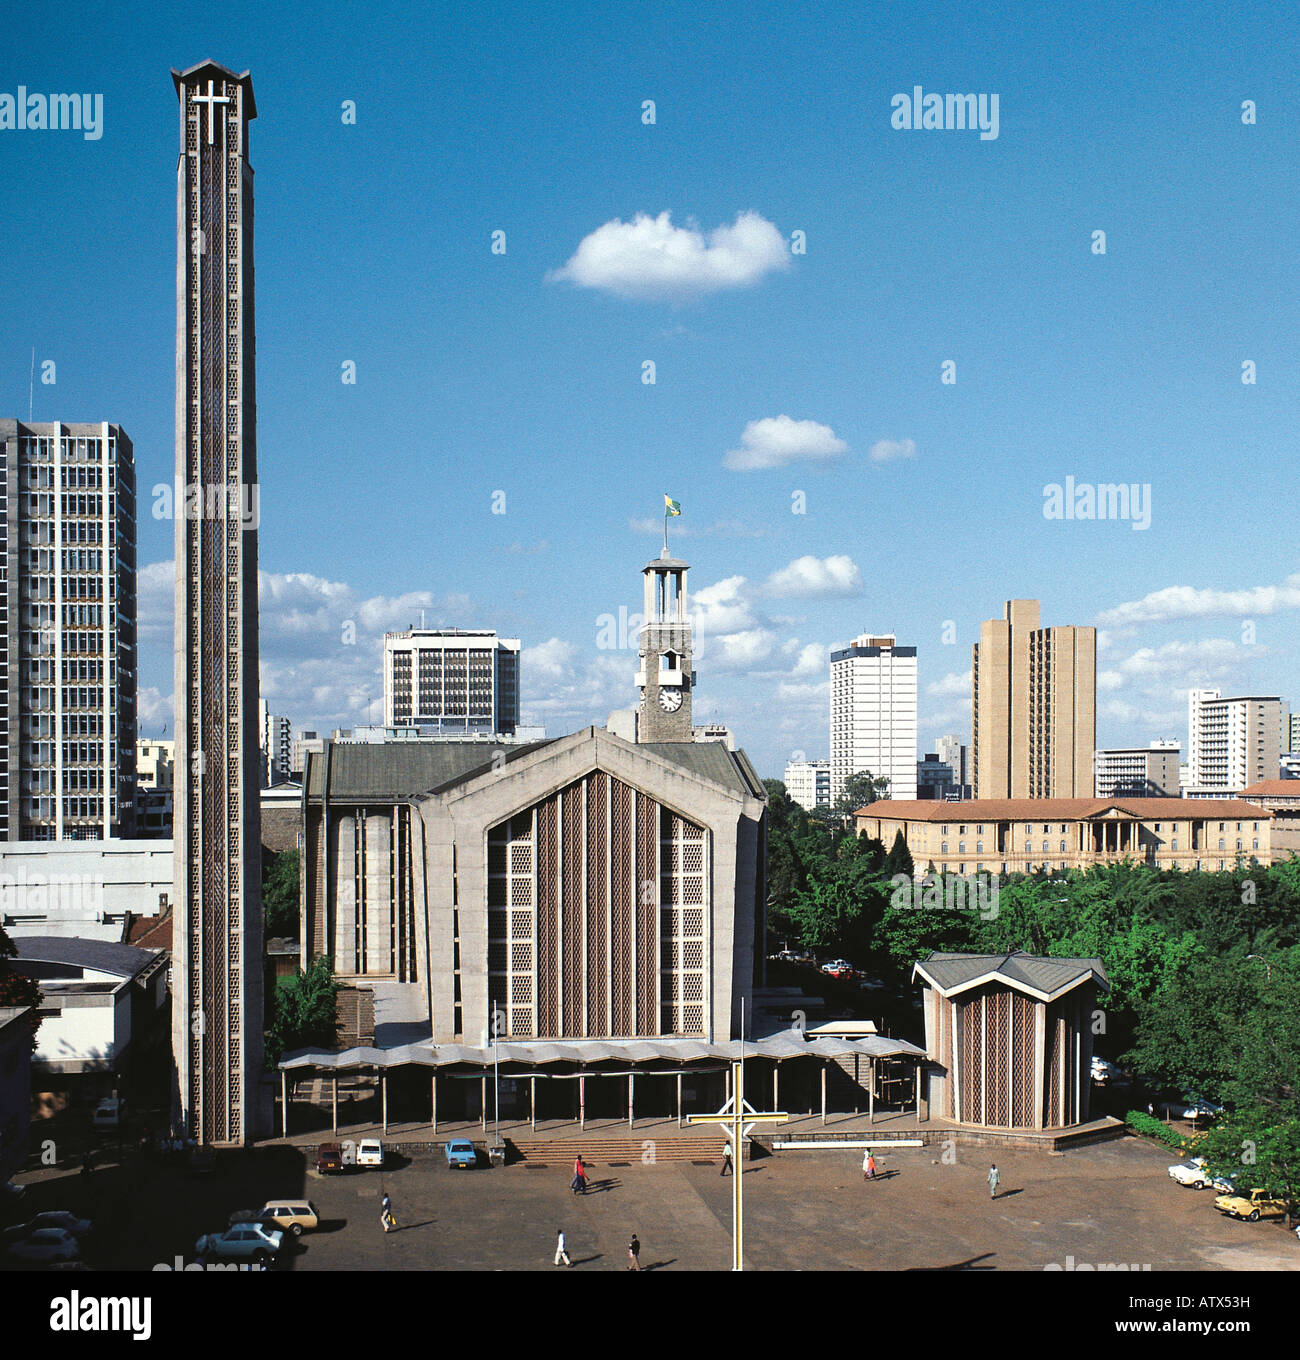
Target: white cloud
(721, 608)
(721, 528)
(886, 450)
(815, 576)
(953, 685)
(649, 258)
(1188, 602)
(776, 441)
(552, 659)
(740, 651)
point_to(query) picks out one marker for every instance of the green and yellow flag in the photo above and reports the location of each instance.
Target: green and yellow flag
(671, 507)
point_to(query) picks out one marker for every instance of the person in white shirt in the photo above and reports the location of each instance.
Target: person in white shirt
(561, 1256)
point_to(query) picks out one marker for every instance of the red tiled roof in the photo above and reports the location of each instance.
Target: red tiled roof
(1274, 788)
(1058, 809)
(151, 932)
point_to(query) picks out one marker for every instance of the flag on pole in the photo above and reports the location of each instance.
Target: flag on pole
(671, 507)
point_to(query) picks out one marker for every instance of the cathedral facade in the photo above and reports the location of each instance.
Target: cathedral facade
(588, 887)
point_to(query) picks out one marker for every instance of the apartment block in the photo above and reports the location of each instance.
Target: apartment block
(808, 782)
(1233, 741)
(67, 632)
(1033, 707)
(1138, 771)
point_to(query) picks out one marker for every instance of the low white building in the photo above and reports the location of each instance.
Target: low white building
(82, 888)
(808, 782)
(95, 996)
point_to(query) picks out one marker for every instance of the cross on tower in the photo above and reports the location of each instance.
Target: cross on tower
(738, 1117)
(210, 100)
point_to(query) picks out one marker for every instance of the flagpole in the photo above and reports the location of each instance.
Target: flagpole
(665, 530)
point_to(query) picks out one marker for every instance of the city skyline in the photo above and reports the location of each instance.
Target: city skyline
(783, 380)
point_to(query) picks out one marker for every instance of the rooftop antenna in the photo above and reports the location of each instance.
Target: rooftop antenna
(31, 383)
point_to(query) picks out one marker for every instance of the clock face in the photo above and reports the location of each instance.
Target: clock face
(670, 700)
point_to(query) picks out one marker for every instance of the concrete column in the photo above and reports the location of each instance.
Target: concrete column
(582, 1102)
(776, 1084)
(433, 1100)
(383, 1096)
(679, 1100)
(532, 1103)
(334, 1118)
(871, 1090)
(482, 1102)
(823, 1090)
(918, 1093)
(631, 1109)
(284, 1104)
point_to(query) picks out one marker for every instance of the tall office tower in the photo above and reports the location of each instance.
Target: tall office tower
(1138, 771)
(953, 753)
(808, 782)
(276, 751)
(1293, 732)
(1033, 707)
(1233, 742)
(873, 713)
(217, 950)
(457, 681)
(67, 632)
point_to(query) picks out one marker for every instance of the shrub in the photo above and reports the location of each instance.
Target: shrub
(1150, 1127)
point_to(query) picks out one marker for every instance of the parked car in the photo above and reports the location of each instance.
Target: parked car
(1191, 1173)
(109, 1114)
(1104, 1071)
(46, 1245)
(460, 1152)
(246, 1241)
(292, 1215)
(10, 1193)
(329, 1160)
(838, 968)
(370, 1152)
(1252, 1205)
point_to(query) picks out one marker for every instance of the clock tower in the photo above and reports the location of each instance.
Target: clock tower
(665, 677)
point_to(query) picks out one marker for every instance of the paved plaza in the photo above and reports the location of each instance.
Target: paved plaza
(1111, 1203)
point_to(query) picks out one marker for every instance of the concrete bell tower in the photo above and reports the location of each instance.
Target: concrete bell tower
(665, 678)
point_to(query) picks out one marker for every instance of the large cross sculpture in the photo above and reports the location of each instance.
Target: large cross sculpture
(211, 100)
(738, 1117)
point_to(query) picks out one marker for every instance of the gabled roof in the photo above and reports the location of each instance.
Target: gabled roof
(201, 68)
(1059, 809)
(399, 771)
(1038, 976)
(104, 956)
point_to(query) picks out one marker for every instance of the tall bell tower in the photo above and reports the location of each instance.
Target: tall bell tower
(665, 678)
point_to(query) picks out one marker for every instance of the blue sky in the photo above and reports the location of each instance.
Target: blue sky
(522, 372)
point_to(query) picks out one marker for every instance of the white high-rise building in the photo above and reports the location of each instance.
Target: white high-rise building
(808, 782)
(1233, 742)
(459, 682)
(873, 713)
(67, 632)
(277, 746)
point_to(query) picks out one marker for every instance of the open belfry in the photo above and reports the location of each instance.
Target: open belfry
(217, 950)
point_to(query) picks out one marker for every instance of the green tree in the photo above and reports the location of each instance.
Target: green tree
(1257, 1151)
(899, 859)
(859, 790)
(17, 989)
(303, 1011)
(280, 892)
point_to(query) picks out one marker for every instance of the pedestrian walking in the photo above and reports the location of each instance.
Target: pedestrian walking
(386, 1219)
(869, 1166)
(634, 1253)
(727, 1168)
(561, 1255)
(579, 1182)
(994, 1178)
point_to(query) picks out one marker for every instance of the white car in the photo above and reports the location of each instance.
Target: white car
(1104, 1071)
(46, 1244)
(370, 1152)
(1191, 1173)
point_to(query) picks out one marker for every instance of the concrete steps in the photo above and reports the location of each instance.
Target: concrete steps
(602, 1151)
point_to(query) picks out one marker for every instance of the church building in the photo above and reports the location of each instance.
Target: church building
(607, 885)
